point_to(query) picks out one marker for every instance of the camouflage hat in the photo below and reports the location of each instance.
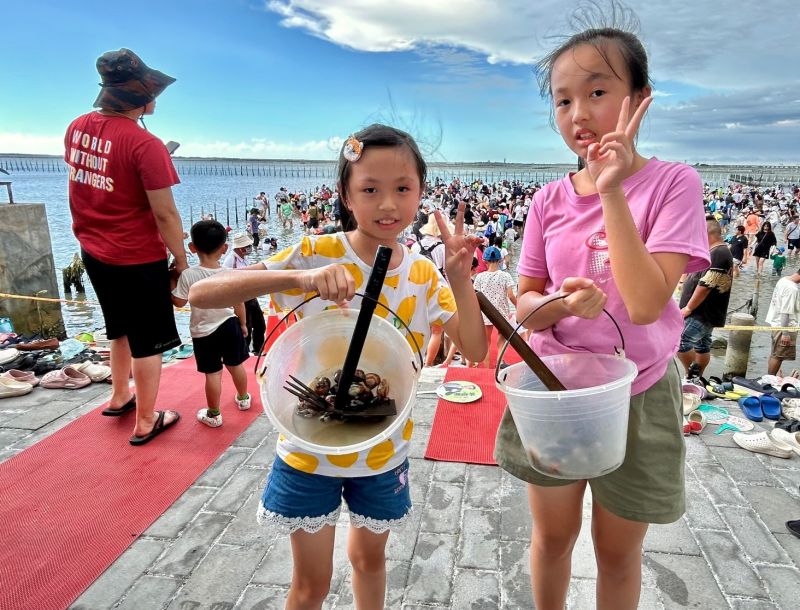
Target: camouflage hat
(128, 83)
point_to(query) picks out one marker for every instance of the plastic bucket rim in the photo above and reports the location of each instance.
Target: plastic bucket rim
(399, 420)
(549, 395)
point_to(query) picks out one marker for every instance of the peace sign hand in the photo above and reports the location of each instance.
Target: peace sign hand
(458, 247)
(610, 160)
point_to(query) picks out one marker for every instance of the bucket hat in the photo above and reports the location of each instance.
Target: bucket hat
(242, 240)
(127, 82)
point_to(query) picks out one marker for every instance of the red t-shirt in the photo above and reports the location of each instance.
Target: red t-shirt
(112, 162)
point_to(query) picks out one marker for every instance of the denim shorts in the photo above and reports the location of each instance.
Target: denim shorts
(696, 336)
(295, 500)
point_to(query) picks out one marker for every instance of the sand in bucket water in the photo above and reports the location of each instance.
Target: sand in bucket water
(579, 433)
(316, 345)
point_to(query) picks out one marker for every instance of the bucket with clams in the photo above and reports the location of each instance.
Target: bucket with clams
(311, 351)
(578, 433)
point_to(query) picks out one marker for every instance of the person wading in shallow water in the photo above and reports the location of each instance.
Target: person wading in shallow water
(124, 217)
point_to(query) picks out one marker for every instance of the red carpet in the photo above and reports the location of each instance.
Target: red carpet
(72, 503)
(466, 432)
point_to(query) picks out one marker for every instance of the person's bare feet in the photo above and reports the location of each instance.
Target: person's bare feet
(143, 428)
(115, 405)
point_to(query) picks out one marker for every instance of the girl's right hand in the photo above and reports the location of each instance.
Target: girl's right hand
(585, 299)
(332, 282)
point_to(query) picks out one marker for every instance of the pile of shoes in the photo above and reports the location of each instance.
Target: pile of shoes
(66, 364)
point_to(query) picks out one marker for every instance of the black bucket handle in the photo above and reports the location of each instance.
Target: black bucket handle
(363, 296)
(556, 296)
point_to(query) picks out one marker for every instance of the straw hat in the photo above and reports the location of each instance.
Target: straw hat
(432, 229)
(242, 240)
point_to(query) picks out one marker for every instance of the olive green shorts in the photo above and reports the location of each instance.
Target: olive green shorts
(649, 486)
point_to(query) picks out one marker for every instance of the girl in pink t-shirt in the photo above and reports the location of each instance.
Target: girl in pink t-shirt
(617, 234)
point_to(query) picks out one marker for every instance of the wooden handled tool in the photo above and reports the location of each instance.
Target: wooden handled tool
(518, 343)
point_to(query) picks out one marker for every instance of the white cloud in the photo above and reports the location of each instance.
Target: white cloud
(255, 148)
(700, 42)
(260, 148)
(30, 144)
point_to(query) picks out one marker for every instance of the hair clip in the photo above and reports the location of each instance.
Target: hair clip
(352, 149)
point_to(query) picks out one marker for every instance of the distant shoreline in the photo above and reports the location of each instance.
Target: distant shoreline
(481, 164)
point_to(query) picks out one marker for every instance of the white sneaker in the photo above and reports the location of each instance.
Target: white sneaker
(243, 403)
(211, 422)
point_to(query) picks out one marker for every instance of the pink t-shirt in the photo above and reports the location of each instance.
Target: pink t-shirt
(565, 237)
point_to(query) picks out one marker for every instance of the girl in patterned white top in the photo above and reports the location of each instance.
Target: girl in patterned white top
(381, 179)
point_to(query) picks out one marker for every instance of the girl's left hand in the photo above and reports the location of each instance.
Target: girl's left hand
(458, 246)
(610, 160)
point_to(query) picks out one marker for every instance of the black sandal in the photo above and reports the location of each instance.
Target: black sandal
(128, 406)
(158, 428)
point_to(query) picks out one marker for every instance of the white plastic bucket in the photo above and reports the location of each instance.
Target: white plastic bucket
(579, 433)
(317, 345)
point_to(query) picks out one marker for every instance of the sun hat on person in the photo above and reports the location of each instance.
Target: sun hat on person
(127, 82)
(492, 254)
(242, 240)
(432, 229)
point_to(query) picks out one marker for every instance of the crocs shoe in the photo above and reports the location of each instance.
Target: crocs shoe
(697, 422)
(95, 372)
(66, 378)
(21, 376)
(243, 403)
(10, 387)
(763, 443)
(211, 422)
(690, 402)
(789, 438)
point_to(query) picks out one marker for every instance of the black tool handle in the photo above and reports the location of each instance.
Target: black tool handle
(373, 291)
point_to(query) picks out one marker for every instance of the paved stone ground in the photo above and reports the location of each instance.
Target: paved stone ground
(467, 545)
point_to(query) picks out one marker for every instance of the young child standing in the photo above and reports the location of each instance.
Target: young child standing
(616, 234)
(498, 286)
(778, 261)
(217, 334)
(381, 178)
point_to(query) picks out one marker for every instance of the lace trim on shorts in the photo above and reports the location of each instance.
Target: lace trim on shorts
(379, 526)
(290, 525)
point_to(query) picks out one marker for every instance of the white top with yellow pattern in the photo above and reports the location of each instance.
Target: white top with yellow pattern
(415, 291)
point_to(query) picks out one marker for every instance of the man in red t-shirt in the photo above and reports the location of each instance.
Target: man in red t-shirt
(125, 219)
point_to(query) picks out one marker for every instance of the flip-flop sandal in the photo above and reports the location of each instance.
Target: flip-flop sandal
(790, 425)
(185, 350)
(793, 527)
(128, 406)
(169, 355)
(735, 423)
(158, 427)
(770, 407)
(714, 414)
(720, 392)
(751, 407)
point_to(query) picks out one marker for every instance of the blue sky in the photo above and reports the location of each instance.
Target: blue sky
(291, 78)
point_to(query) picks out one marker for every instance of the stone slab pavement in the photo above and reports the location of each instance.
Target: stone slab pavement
(467, 544)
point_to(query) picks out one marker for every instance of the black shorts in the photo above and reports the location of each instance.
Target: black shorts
(136, 304)
(224, 346)
(518, 223)
(313, 223)
(793, 244)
